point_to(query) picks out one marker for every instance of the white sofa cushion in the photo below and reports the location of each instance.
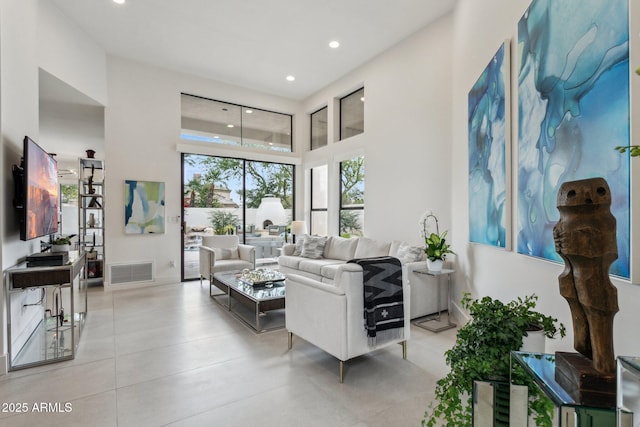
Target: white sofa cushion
(368, 248)
(393, 249)
(289, 261)
(313, 247)
(297, 250)
(232, 265)
(329, 271)
(314, 266)
(226, 253)
(407, 253)
(340, 248)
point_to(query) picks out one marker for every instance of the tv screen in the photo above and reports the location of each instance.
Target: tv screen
(40, 192)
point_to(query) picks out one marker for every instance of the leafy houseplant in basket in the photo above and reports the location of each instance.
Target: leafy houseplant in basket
(482, 352)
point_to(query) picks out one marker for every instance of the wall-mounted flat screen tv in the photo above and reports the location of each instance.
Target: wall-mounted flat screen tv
(41, 192)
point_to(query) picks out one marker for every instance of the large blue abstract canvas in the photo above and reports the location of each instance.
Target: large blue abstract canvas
(573, 109)
(143, 207)
(488, 139)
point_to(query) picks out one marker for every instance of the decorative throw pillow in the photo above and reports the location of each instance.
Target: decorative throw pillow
(297, 251)
(226, 253)
(313, 246)
(407, 253)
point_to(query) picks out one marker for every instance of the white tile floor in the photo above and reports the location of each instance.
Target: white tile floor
(168, 355)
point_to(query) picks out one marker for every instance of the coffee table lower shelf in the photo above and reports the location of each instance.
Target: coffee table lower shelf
(259, 307)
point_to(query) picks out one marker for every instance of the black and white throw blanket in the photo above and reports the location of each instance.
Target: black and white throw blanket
(383, 299)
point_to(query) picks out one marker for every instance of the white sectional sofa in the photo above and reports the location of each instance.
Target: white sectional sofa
(325, 294)
(330, 267)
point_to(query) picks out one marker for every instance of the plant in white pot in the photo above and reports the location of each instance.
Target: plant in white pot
(61, 244)
(436, 246)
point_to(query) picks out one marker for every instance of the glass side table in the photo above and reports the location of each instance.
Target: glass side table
(628, 391)
(568, 410)
(434, 322)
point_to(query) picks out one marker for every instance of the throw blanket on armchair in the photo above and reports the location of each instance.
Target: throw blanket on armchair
(383, 299)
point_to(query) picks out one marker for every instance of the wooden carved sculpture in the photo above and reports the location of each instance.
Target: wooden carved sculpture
(585, 238)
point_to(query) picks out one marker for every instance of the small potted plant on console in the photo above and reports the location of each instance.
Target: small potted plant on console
(61, 244)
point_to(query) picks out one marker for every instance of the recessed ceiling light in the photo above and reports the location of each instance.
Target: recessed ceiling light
(229, 126)
(362, 99)
(248, 111)
(334, 44)
(291, 78)
(118, 1)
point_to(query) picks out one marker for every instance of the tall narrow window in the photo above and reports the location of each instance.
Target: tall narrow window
(352, 197)
(319, 128)
(207, 120)
(319, 200)
(352, 114)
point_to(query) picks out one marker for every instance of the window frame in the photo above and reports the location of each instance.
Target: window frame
(312, 208)
(341, 206)
(243, 109)
(326, 141)
(340, 133)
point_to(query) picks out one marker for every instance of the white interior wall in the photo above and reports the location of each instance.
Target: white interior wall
(407, 136)
(142, 137)
(18, 116)
(27, 29)
(415, 114)
(68, 53)
(479, 29)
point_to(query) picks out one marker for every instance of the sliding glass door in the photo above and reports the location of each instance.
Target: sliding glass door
(235, 196)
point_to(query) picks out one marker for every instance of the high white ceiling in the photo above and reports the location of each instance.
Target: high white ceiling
(254, 43)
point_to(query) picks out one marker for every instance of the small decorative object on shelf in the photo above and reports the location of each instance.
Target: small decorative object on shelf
(91, 154)
(91, 220)
(436, 246)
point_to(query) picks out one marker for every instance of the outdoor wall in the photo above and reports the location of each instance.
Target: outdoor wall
(142, 139)
(479, 29)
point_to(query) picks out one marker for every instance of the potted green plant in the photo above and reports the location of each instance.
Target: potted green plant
(482, 353)
(436, 246)
(61, 244)
(436, 249)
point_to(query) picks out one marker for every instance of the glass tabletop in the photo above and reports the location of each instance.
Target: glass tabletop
(542, 368)
(259, 292)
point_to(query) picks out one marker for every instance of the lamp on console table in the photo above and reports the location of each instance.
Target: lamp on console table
(298, 228)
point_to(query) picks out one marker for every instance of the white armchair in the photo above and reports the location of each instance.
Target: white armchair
(330, 316)
(224, 253)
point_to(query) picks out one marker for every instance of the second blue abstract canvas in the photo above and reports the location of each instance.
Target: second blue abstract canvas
(573, 103)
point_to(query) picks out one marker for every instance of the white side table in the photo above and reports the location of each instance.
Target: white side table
(435, 323)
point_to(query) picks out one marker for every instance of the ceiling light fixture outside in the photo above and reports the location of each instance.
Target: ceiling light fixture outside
(248, 111)
(118, 1)
(290, 78)
(334, 44)
(229, 126)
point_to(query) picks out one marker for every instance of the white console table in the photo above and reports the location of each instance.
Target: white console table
(434, 322)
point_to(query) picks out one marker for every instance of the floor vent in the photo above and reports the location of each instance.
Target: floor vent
(131, 273)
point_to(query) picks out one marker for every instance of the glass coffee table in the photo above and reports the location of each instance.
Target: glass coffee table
(259, 305)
